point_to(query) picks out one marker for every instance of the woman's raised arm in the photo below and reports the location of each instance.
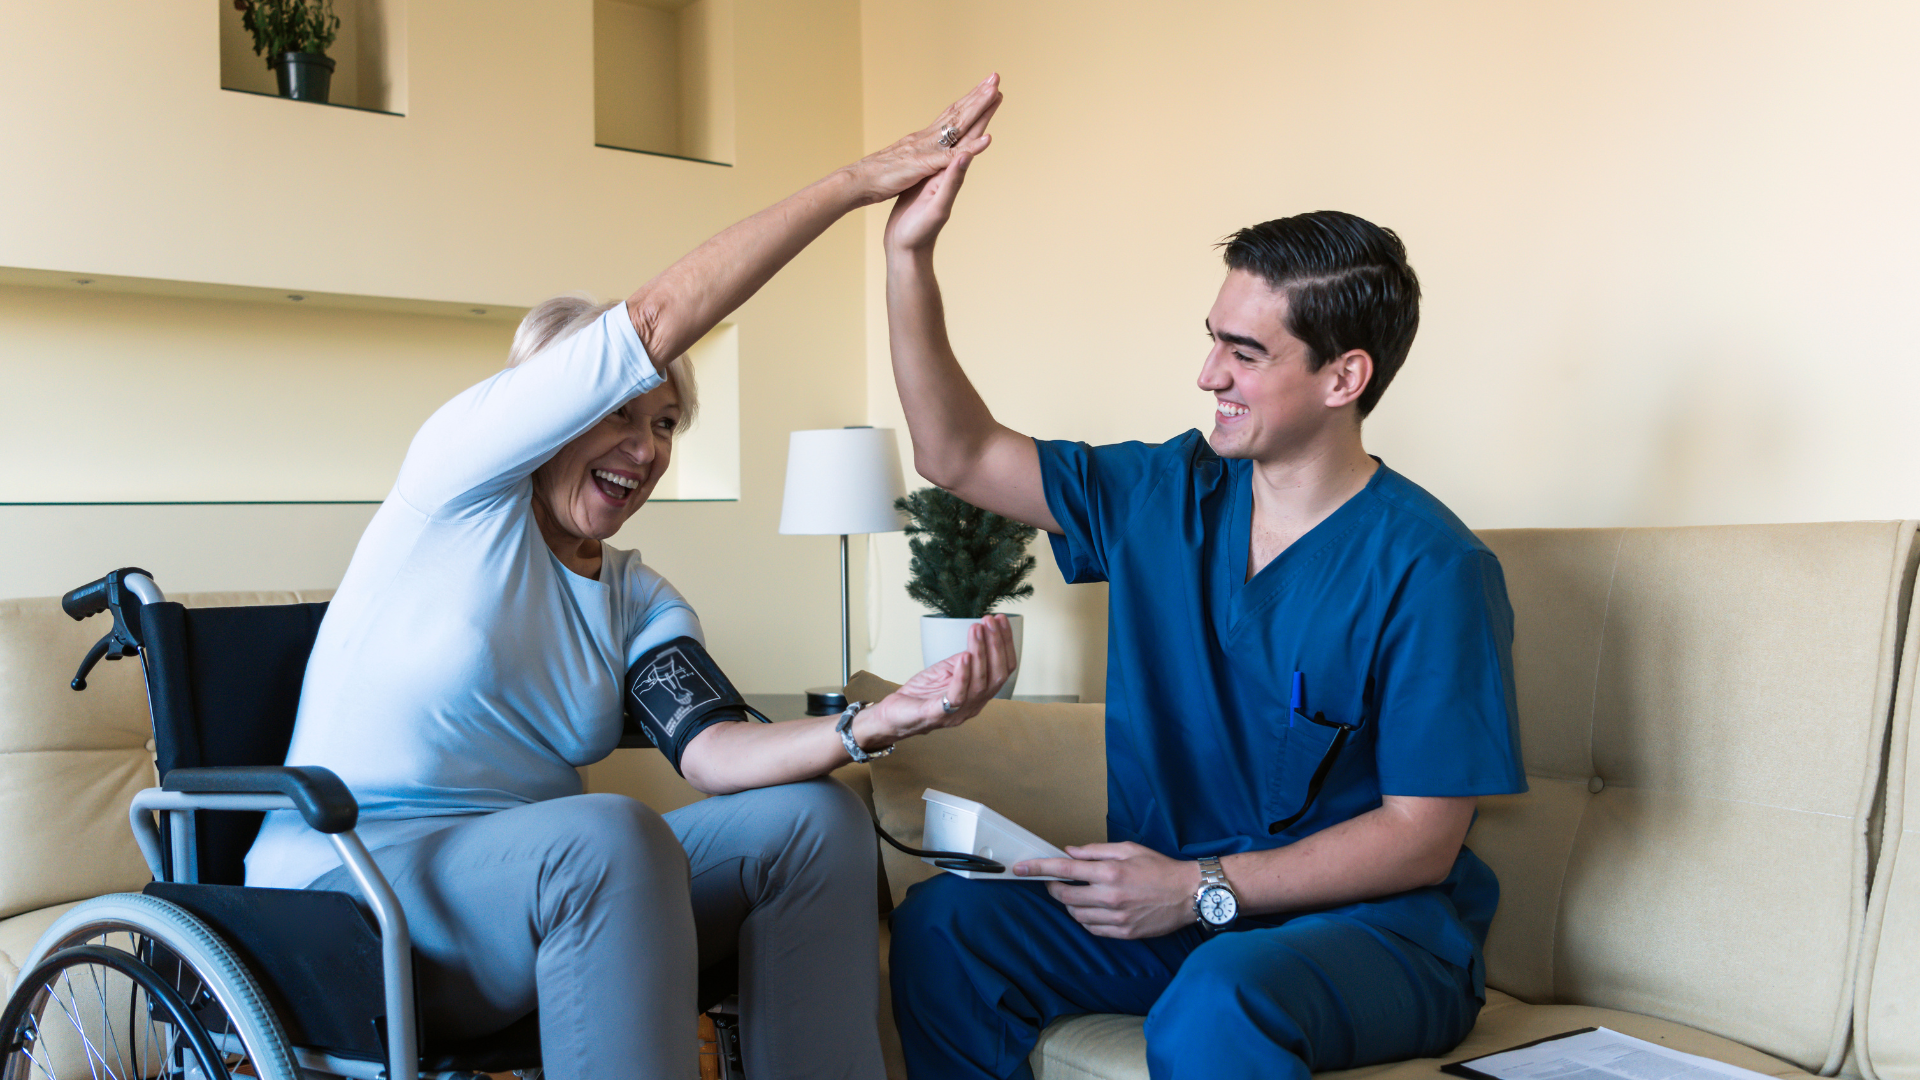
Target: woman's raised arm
(689, 298)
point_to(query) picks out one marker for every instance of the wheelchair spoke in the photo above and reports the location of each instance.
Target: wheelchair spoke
(45, 1067)
(106, 1021)
(78, 1028)
(232, 1061)
(153, 1042)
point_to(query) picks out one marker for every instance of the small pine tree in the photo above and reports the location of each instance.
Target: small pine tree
(965, 560)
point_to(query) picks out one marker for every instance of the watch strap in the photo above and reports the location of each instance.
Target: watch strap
(845, 728)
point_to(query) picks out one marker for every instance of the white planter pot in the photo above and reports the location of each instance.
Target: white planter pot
(942, 637)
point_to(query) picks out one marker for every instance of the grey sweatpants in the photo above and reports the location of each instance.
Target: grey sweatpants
(602, 912)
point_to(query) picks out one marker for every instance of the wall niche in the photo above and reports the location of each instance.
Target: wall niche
(663, 77)
(369, 56)
(706, 459)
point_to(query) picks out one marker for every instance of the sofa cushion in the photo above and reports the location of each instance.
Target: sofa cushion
(69, 762)
(1043, 766)
(1110, 1047)
(18, 936)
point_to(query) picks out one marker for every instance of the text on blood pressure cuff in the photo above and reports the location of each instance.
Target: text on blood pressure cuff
(674, 692)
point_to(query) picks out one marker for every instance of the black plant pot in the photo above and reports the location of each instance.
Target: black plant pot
(303, 76)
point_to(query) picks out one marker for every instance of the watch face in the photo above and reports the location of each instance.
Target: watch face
(1218, 905)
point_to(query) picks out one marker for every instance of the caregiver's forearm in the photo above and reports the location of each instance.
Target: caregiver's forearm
(689, 298)
(1407, 842)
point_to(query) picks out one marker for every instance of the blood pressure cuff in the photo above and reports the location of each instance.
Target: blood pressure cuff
(674, 692)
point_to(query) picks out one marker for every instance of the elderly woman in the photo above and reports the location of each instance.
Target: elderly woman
(474, 657)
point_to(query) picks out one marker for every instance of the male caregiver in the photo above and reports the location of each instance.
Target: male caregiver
(1309, 680)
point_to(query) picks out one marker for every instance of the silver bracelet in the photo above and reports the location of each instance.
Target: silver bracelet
(845, 728)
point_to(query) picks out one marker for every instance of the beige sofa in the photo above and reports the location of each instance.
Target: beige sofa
(1717, 727)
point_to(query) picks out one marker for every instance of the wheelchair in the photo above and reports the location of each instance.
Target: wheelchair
(198, 977)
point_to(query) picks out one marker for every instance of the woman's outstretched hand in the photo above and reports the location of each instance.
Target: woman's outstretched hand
(885, 173)
(922, 210)
(965, 682)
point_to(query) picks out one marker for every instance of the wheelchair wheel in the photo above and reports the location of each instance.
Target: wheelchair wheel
(129, 986)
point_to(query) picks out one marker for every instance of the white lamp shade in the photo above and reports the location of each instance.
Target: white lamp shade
(842, 480)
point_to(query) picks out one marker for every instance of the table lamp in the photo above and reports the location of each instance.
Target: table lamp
(841, 481)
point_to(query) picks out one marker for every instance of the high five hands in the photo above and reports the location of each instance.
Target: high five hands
(922, 210)
(948, 693)
(955, 136)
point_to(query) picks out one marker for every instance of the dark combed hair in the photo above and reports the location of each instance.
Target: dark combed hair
(1348, 286)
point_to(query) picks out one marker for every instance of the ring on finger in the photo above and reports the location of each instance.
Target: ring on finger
(949, 137)
(948, 706)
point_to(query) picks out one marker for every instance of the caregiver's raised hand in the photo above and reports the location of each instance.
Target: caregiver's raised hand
(948, 693)
(922, 211)
(959, 131)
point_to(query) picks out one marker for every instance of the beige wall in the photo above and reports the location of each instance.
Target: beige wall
(1667, 248)
(489, 191)
(180, 399)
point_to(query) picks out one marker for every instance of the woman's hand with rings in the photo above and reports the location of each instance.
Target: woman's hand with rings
(922, 210)
(959, 131)
(947, 694)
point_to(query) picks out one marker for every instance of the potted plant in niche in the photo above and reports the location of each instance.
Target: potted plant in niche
(966, 561)
(294, 36)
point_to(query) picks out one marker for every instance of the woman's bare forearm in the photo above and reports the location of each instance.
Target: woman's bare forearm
(735, 756)
(738, 756)
(732, 757)
(689, 298)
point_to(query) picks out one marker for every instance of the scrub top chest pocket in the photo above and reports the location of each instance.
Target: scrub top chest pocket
(1313, 749)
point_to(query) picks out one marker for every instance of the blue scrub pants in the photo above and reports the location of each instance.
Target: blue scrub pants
(979, 968)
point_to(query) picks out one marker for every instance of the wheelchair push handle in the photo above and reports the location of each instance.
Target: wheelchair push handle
(86, 601)
(121, 591)
(97, 595)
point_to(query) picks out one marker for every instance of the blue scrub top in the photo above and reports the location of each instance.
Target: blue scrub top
(1394, 612)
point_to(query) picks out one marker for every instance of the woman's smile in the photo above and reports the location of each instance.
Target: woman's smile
(616, 487)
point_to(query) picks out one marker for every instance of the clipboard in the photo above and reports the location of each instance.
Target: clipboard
(1600, 1053)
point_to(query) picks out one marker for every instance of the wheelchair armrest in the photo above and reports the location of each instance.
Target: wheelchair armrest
(317, 793)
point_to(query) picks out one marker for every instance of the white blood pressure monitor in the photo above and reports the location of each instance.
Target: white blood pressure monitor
(957, 824)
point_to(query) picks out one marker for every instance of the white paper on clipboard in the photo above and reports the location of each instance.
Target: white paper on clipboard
(1598, 1054)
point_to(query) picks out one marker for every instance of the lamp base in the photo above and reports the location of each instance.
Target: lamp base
(826, 701)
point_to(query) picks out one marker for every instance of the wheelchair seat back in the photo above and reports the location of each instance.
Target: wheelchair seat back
(224, 687)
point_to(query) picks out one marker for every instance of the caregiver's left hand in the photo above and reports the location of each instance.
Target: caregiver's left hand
(1131, 891)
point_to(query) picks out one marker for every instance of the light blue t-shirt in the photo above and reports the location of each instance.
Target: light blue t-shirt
(461, 668)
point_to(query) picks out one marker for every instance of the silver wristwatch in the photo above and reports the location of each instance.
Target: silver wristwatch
(1214, 904)
(845, 728)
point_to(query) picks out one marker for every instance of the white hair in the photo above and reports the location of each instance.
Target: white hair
(567, 314)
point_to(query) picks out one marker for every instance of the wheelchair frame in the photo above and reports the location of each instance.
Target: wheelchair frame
(396, 945)
(322, 801)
